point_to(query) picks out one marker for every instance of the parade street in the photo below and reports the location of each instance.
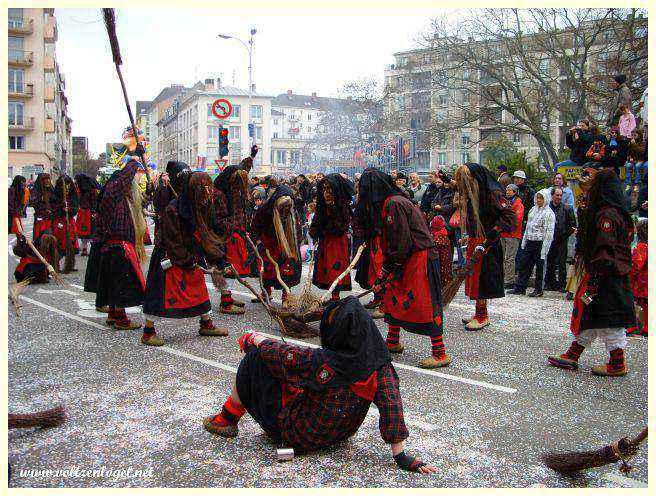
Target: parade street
(482, 422)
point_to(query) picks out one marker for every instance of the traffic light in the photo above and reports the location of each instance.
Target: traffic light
(223, 142)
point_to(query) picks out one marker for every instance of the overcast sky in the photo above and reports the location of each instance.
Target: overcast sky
(302, 50)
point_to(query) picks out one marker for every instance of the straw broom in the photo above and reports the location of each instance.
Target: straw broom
(451, 289)
(575, 461)
(15, 289)
(43, 419)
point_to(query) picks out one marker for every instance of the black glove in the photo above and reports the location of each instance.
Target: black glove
(139, 150)
(254, 150)
(407, 462)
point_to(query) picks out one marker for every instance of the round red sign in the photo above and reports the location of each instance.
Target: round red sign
(222, 108)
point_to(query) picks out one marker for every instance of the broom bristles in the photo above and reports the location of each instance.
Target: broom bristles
(110, 24)
(45, 418)
(450, 290)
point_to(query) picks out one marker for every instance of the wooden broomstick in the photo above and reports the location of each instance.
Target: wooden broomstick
(575, 461)
(110, 24)
(43, 419)
(59, 280)
(69, 258)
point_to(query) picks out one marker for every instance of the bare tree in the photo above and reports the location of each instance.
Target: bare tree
(532, 72)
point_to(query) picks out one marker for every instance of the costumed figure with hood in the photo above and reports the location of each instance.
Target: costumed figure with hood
(114, 267)
(230, 202)
(16, 198)
(603, 303)
(410, 267)
(310, 399)
(330, 226)
(186, 244)
(484, 215)
(169, 186)
(278, 231)
(30, 265)
(89, 189)
(41, 199)
(65, 204)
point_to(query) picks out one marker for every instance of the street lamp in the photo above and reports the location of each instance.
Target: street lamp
(249, 48)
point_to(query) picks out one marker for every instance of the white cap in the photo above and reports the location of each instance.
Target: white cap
(520, 173)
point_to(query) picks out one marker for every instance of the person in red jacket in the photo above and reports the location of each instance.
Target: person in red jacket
(311, 399)
(510, 241)
(640, 280)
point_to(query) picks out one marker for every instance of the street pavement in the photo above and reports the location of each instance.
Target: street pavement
(135, 412)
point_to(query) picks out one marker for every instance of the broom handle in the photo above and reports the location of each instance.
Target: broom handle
(639, 438)
(68, 242)
(134, 127)
(357, 256)
(277, 267)
(265, 294)
(36, 252)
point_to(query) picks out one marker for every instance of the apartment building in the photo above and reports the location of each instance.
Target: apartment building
(198, 128)
(80, 152)
(167, 131)
(150, 113)
(422, 87)
(39, 126)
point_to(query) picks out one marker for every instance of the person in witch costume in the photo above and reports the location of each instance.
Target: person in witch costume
(310, 399)
(40, 200)
(16, 198)
(30, 265)
(410, 269)
(176, 285)
(603, 304)
(484, 215)
(65, 204)
(330, 226)
(119, 280)
(277, 229)
(89, 189)
(169, 185)
(367, 228)
(231, 199)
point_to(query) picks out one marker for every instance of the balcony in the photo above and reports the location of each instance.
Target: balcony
(22, 124)
(23, 91)
(48, 63)
(20, 58)
(50, 30)
(49, 93)
(20, 26)
(49, 125)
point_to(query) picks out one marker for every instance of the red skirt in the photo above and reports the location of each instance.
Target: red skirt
(59, 230)
(375, 260)
(41, 225)
(332, 259)
(290, 270)
(242, 257)
(413, 301)
(473, 278)
(16, 225)
(83, 223)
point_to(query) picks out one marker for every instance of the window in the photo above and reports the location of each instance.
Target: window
(544, 65)
(441, 99)
(295, 157)
(15, 18)
(465, 139)
(281, 156)
(441, 139)
(15, 48)
(17, 142)
(440, 116)
(16, 113)
(275, 122)
(236, 111)
(209, 110)
(309, 129)
(258, 133)
(256, 111)
(309, 117)
(464, 156)
(441, 158)
(234, 133)
(465, 96)
(16, 80)
(275, 135)
(517, 138)
(466, 74)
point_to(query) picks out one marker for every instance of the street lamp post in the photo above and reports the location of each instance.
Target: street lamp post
(249, 48)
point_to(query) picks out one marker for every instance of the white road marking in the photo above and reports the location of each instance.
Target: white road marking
(63, 313)
(417, 370)
(52, 291)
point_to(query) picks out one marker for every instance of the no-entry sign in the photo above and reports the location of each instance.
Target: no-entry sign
(222, 108)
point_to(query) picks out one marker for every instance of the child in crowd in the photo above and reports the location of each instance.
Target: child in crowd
(441, 238)
(639, 280)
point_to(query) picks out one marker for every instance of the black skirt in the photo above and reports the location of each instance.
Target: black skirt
(173, 293)
(260, 392)
(611, 308)
(118, 284)
(93, 268)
